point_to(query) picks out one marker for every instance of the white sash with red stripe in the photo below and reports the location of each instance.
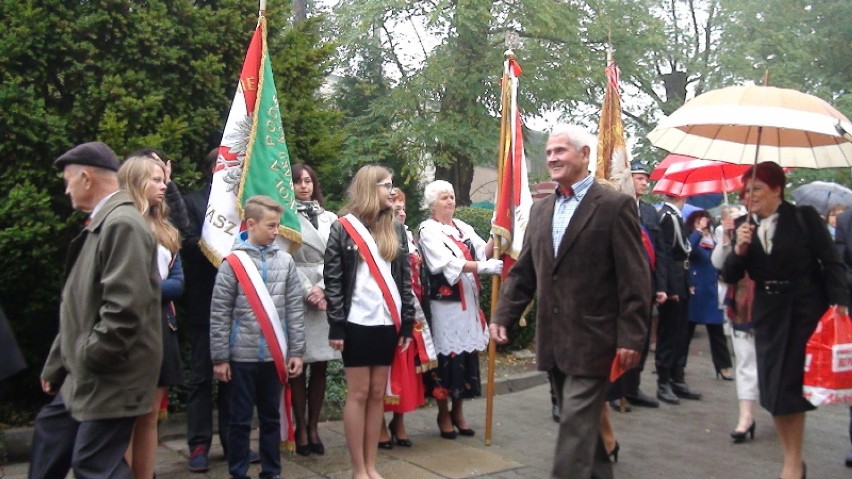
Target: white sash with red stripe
(381, 272)
(263, 307)
(361, 235)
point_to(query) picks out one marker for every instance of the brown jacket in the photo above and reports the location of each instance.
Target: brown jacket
(593, 295)
(109, 348)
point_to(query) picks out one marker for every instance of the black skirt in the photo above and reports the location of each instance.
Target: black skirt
(171, 371)
(783, 325)
(368, 345)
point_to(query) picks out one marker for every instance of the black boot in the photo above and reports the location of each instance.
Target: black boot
(664, 389)
(679, 386)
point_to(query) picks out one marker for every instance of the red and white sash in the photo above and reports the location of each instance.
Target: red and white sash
(263, 307)
(270, 324)
(381, 273)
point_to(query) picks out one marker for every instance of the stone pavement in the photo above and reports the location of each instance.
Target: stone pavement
(686, 441)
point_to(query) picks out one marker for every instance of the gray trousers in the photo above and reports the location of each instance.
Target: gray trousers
(94, 449)
(580, 452)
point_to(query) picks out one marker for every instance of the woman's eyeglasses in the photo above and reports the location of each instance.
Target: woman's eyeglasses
(387, 185)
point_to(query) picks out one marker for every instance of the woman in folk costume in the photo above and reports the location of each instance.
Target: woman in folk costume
(370, 308)
(454, 256)
(308, 394)
(420, 357)
(145, 178)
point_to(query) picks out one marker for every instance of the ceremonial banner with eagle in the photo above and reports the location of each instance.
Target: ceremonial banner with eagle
(253, 157)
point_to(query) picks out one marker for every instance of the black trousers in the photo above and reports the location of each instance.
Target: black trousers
(199, 385)
(718, 345)
(672, 339)
(94, 449)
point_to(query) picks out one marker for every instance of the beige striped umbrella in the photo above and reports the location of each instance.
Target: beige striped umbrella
(749, 124)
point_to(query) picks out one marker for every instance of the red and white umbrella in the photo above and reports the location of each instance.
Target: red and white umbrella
(683, 176)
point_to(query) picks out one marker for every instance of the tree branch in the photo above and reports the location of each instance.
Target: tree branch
(696, 44)
(392, 52)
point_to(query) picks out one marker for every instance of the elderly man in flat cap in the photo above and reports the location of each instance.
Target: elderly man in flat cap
(99, 367)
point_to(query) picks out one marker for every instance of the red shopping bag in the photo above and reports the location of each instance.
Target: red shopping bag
(828, 360)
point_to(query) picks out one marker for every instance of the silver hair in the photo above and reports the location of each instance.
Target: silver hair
(434, 189)
(577, 135)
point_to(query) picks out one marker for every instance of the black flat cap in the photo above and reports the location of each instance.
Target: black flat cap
(93, 153)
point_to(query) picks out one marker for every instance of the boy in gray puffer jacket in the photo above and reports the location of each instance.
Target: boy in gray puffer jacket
(240, 350)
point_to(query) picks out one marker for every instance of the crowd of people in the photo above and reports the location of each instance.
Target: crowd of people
(401, 310)
(360, 288)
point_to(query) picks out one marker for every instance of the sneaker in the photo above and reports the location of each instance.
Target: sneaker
(198, 459)
(254, 457)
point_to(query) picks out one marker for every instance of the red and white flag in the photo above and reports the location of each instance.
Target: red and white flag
(513, 201)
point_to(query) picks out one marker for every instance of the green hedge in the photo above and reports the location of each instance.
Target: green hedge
(480, 220)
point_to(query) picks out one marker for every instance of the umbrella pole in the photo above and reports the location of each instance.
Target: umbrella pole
(754, 171)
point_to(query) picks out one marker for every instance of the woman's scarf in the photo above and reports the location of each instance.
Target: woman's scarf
(310, 210)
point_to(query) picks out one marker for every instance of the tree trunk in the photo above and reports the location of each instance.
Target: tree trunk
(300, 10)
(460, 107)
(460, 174)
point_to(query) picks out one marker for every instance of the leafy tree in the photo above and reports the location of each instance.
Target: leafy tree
(443, 100)
(302, 62)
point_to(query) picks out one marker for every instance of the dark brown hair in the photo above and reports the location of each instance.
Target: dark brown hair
(298, 168)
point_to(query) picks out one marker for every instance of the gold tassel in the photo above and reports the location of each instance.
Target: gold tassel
(288, 446)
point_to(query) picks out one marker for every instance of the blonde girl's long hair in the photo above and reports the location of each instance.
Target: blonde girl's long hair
(133, 177)
(364, 203)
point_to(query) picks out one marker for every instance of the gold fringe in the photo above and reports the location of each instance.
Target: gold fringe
(288, 446)
(422, 368)
(391, 400)
(210, 254)
(162, 415)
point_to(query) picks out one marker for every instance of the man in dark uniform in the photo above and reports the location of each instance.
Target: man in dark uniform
(673, 327)
(627, 385)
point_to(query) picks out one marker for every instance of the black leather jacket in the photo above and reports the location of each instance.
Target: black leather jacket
(341, 262)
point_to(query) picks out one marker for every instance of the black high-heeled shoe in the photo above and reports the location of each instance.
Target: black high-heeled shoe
(463, 432)
(446, 434)
(721, 375)
(385, 445)
(399, 441)
(740, 436)
(613, 455)
(302, 449)
(318, 447)
(804, 471)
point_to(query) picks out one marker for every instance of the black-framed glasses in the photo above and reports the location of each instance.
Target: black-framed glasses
(387, 185)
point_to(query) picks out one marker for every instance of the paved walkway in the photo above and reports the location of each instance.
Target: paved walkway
(686, 441)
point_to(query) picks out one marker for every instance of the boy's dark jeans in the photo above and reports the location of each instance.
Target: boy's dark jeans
(254, 384)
